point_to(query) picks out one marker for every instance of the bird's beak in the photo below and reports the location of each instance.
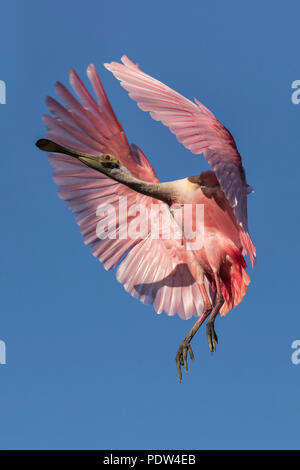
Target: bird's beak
(92, 162)
(101, 162)
(49, 146)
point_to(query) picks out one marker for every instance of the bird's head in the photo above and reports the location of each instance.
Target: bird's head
(102, 162)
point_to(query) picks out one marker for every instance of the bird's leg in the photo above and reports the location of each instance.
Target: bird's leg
(185, 347)
(218, 302)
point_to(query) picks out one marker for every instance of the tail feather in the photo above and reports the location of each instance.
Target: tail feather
(235, 279)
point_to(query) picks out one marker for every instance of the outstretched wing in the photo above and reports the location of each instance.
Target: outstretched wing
(197, 129)
(151, 269)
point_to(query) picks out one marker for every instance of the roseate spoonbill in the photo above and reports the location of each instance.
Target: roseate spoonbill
(94, 165)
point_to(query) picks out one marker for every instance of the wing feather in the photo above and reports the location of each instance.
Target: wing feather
(151, 269)
(197, 129)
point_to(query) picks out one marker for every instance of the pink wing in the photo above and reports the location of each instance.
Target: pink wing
(197, 129)
(154, 270)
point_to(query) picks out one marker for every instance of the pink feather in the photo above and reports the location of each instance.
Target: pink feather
(198, 130)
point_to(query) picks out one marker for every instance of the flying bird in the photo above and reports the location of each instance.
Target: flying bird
(97, 170)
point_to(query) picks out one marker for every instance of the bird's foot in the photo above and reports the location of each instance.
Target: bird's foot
(181, 356)
(211, 336)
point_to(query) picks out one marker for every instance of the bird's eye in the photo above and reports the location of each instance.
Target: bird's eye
(107, 157)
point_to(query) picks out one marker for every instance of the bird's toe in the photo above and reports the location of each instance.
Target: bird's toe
(211, 337)
(181, 357)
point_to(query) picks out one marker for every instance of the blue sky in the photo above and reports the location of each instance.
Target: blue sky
(89, 367)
